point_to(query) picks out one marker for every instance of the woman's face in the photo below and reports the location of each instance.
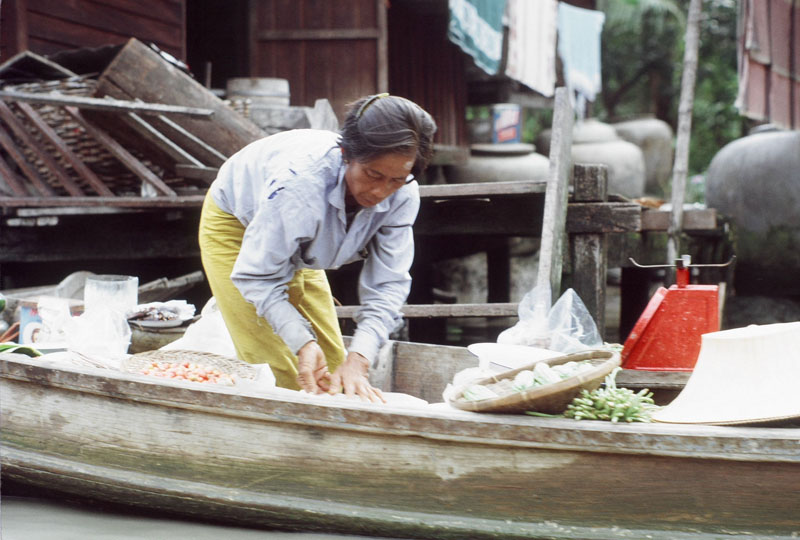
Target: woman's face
(370, 182)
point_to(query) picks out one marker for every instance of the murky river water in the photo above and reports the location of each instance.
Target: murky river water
(35, 518)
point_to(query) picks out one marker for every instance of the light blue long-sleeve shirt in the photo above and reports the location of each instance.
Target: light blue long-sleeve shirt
(288, 190)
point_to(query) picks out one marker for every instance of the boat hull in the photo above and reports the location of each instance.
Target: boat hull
(284, 460)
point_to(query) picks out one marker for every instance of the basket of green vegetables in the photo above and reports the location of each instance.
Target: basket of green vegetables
(547, 386)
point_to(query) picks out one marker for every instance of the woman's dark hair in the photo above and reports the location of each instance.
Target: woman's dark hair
(383, 124)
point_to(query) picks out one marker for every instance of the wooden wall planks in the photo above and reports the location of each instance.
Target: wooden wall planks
(50, 26)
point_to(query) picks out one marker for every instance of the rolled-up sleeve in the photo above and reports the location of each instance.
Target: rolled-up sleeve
(267, 262)
(385, 281)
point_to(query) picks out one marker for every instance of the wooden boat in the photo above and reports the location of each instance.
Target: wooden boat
(287, 460)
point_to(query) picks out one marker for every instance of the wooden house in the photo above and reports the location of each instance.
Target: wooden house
(333, 50)
(338, 51)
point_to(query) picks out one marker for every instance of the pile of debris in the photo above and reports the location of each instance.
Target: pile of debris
(123, 125)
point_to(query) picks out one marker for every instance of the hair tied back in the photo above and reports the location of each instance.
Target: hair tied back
(369, 102)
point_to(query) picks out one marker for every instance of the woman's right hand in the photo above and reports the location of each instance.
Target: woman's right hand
(312, 369)
(352, 378)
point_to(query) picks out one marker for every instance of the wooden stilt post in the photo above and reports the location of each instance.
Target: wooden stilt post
(590, 250)
(555, 204)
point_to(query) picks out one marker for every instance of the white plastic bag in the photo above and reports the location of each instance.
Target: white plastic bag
(207, 334)
(566, 327)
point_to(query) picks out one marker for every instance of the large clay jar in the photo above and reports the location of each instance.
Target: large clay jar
(755, 181)
(654, 137)
(500, 163)
(594, 142)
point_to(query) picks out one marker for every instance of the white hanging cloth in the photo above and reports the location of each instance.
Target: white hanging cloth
(532, 43)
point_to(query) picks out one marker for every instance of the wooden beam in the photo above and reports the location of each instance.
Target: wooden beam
(151, 134)
(59, 172)
(77, 163)
(206, 174)
(106, 104)
(382, 46)
(27, 169)
(11, 179)
(506, 309)
(680, 167)
(323, 35)
(631, 378)
(603, 217)
(116, 149)
(590, 183)
(30, 62)
(97, 237)
(482, 189)
(555, 206)
(188, 201)
(590, 247)
(693, 220)
(205, 152)
(16, 25)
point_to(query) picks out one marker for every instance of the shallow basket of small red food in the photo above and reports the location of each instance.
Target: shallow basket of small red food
(551, 398)
(191, 366)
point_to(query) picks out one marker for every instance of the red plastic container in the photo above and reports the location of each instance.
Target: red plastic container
(667, 335)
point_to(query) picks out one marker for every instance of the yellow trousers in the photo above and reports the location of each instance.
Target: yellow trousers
(220, 237)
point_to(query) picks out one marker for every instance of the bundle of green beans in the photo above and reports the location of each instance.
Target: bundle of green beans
(612, 403)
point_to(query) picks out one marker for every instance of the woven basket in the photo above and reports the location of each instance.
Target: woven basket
(551, 398)
(231, 366)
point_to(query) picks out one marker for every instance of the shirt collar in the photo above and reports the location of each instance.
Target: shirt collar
(337, 194)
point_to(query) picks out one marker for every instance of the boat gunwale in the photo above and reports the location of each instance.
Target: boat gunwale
(756, 444)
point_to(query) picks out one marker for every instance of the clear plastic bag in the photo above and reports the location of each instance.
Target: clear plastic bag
(570, 326)
(99, 332)
(532, 328)
(565, 327)
(55, 315)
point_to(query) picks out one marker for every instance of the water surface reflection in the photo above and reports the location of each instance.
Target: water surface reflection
(36, 518)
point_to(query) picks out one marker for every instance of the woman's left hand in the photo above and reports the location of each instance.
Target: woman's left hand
(312, 369)
(351, 377)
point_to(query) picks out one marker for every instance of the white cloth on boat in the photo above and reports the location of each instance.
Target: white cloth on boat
(532, 43)
(208, 334)
(288, 190)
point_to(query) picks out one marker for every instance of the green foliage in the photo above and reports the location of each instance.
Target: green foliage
(642, 56)
(715, 120)
(534, 121)
(640, 45)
